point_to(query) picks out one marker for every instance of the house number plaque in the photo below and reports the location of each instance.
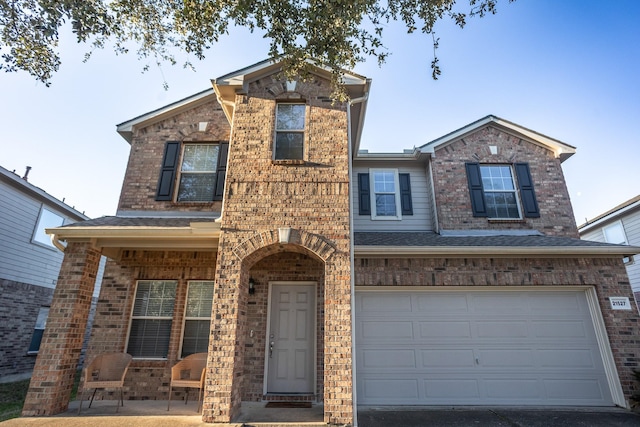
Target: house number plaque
(620, 303)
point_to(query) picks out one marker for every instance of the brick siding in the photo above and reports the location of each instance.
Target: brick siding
(453, 203)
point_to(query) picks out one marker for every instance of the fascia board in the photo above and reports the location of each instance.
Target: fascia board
(612, 216)
(193, 232)
(496, 251)
(561, 150)
(416, 155)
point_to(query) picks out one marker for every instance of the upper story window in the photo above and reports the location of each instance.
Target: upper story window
(47, 219)
(384, 194)
(499, 191)
(200, 172)
(496, 194)
(290, 123)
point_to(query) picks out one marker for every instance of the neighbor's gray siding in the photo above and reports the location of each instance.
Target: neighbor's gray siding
(422, 218)
(22, 260)
(631, 224)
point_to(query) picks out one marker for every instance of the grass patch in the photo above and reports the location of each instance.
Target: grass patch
(12, 397)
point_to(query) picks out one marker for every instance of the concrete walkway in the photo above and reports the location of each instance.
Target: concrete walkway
(154, 414)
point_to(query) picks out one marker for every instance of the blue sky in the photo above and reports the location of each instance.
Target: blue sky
(569, 69)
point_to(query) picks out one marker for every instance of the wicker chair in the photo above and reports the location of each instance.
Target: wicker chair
(189, 373)
(105, 371)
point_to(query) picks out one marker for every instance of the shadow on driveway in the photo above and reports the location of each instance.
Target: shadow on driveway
(389, 416)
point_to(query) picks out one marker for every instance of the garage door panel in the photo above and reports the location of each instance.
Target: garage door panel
(504, 329)
(448, 388)
(391, 302)
(444, 303)
(573, 389)
(445, 330)
(404, 389)
(506, 358)
(562, 329)
(388, 359)
(574, 358)
(448, 358)
(450, 348)
(384, 330)
(510, 389)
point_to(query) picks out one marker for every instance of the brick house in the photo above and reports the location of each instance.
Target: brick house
(251, 226)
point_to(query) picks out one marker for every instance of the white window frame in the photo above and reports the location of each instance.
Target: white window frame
(182, 173)
(301, 131)
(186, 318)
(47, 218)
(145, 317)
(515, 191)
(396, 193)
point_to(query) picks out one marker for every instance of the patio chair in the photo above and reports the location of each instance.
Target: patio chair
(105, 371)
(189, 373)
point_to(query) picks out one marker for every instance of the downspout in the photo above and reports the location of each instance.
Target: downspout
(233, 108)
(56, 242)
(352, 261)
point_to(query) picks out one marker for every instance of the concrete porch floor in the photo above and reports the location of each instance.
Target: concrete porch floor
(153, 413)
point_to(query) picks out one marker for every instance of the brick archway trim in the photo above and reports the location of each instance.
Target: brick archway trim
(314, 243)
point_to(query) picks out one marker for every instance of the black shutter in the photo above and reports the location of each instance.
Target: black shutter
(527, 193)
(405, 194)
(168, 171)
(221, 171)
(364, 197)
(476, 191)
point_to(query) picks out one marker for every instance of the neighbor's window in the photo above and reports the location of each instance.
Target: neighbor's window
(197, 318)
(499, 191)
(614, 233)
(151, 319)
(198, 172)
(48, 219)
(38, 330)
(289, 141)
(385, 197)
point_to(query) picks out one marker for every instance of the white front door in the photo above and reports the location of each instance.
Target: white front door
(291, 337)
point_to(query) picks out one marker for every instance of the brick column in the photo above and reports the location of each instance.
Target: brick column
(338, 385)
(222, 395)
(55, 368)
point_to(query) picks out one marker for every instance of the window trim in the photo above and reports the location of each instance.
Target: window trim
(611, 225)
(186, 318)
(372, 191)
(40, 228)
(171, 318)
(515, 191)
(303, 131)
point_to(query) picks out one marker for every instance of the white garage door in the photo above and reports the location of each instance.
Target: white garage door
(477, 348)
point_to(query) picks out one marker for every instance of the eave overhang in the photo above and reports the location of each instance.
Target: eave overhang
(415, 155)
(127, 128)
(561, 150)
(110, 240)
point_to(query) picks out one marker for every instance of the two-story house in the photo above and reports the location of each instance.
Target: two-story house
(29, 267)
(619, 225)
(252, 227)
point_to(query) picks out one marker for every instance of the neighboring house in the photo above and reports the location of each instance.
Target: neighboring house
(620, 225)
(251, 226)
(29, 268)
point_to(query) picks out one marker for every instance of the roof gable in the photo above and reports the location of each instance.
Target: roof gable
(561, 150)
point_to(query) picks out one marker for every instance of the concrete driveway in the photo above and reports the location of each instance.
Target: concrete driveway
(495, 417)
